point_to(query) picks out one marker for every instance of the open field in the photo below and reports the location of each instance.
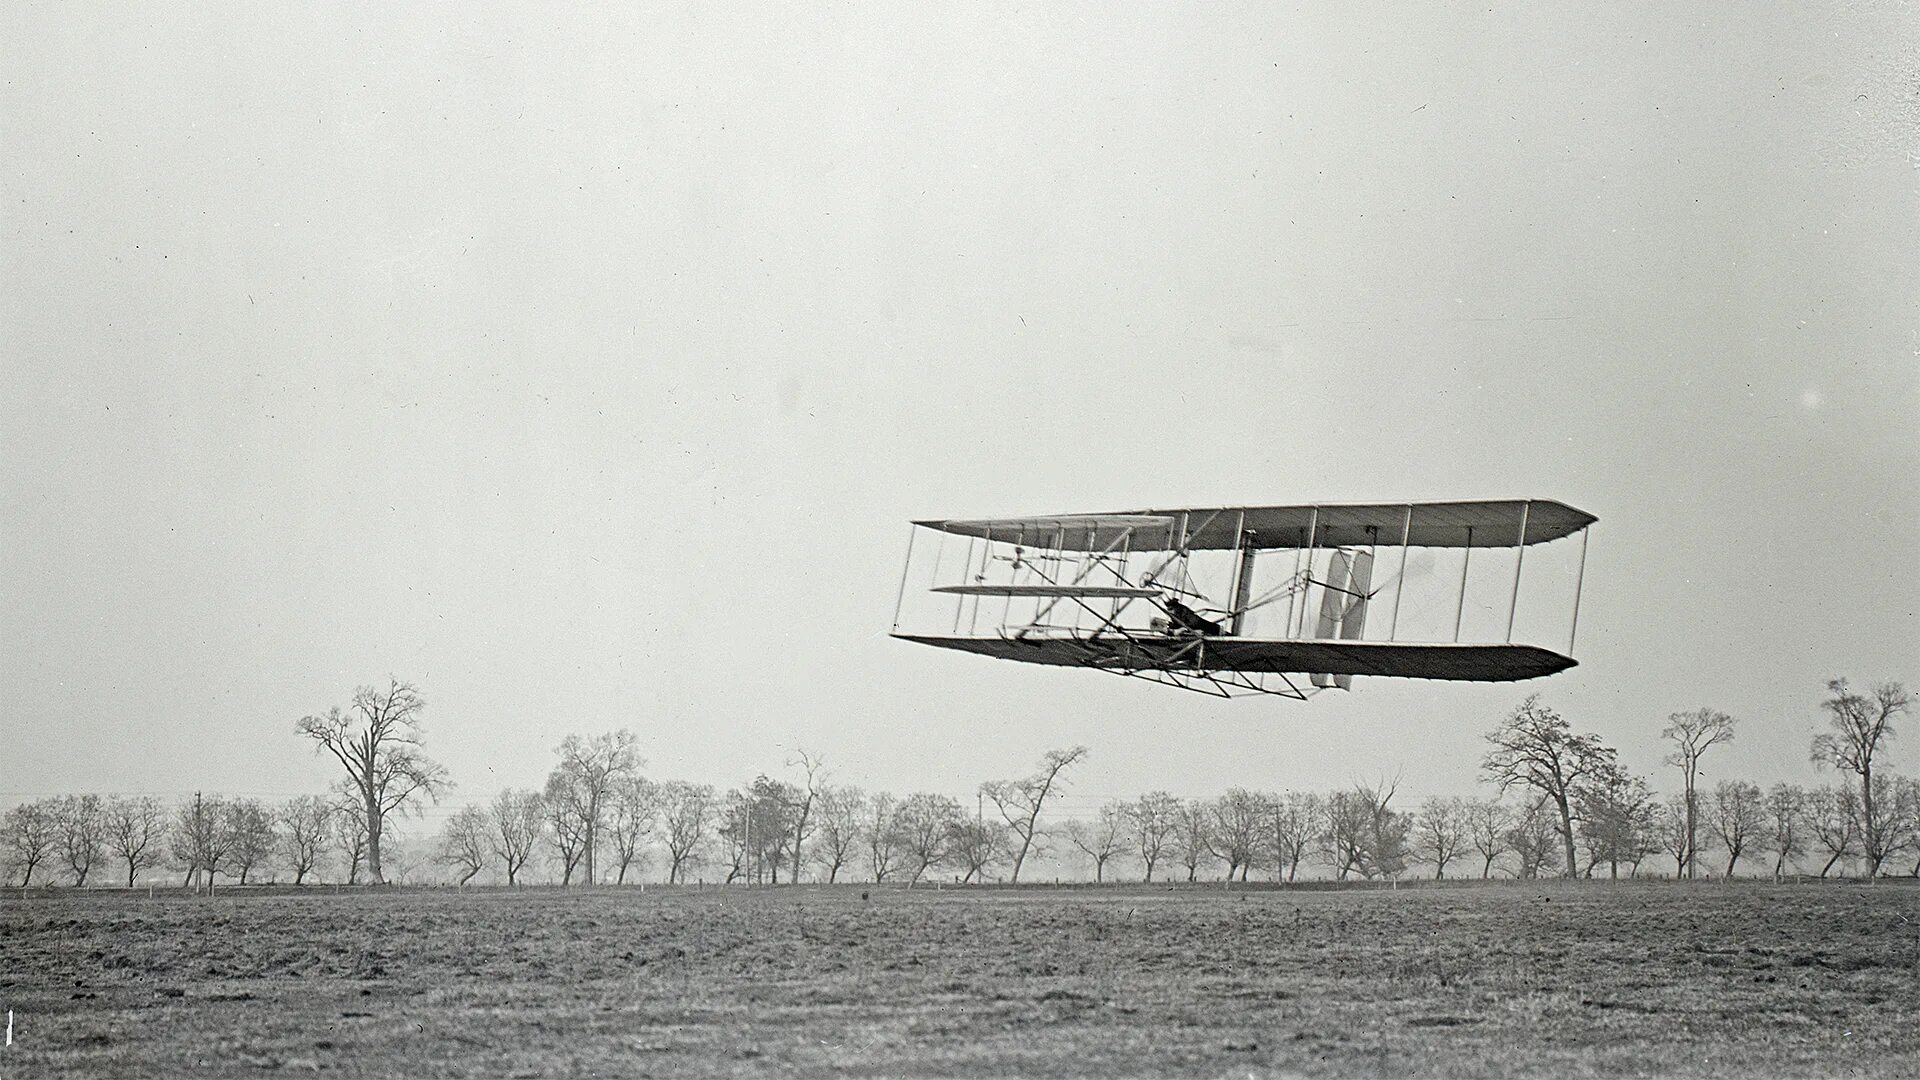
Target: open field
(1505, 979)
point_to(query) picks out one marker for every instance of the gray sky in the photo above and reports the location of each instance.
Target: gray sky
(585, 369)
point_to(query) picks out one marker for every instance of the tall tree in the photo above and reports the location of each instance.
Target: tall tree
(202, 838)
(840, 810)
(1488, 821)
(1193, 835)
(1535, 748)
(1786, 816)
(254, 836)
(1239, 829)
(583, 783)
(631, 822)
(376, 740)
(880, 829)
(1102, 838)
(926, 823)
(1861, 724)
(135, 829)
(1617, 818)
(1293, 821)
(306, 832)
(1693, 734)
(686, 815)
(1155, 817)
(1737, 815)
(516, 822)
(463, 843)
(566, 824)
(1440, 832)
(1021, 801)
(83, 834)
(807, 794)
(30, 835)
(976, 845)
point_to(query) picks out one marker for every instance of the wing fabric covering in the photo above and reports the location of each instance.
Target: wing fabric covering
(1333, 605)
(1353, 617)
(1466, 662)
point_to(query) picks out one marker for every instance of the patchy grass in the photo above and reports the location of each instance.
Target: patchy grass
(1585, 979)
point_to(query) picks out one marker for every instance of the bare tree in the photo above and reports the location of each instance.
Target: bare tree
(349, 824)
(1535, 748)
(516, 823)
(976, 845)
(1862, 724)
(582, 785)
(807, 796)
(376, 740)
(1102, 838)
(1693, 734)
(1617, 818)
(1021, 801)
(1293, 820)
(135, 829)
(254, 837)
(840, 810)
(926, 824)
(1670, 831)
(1193, 835)
(1364, 833)
(1786, 817)
(464, 842)
(566, 824)
(1488, 822)
(1531, 839)
(631, 822)
(202, 837)
(31, 834)
(306, 832)
(1155, 818)
(686, 814)
(83, 833)
(1239, 829)
(1833, 816)
(1440, 832)
(1736, 814)
(881, 831)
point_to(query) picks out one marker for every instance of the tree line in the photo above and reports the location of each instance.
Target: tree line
(1566, 806)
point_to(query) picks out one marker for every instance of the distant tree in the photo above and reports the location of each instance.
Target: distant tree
(1292, 822)
(1239, 829)
(464, 843)
(1531, 838)
(686, 815)
(31, 835)
(1488, 822)
(1861, 724)
(202, 838)
(976, 846)
(1670, 832)
(566, 824)
(840, 811)
(1343, 843)
(1617, 818)
(1103, 837)
(1154, 821)
(926, 824)
(306, 833)
(1693, 734)
(1440, 832)
(1535, 748)
(349, 823)
(254, 837)
(135, 830)
(516, 823)
(631, 822)
(801, 819)
(582, 786)
(881, 831)
(376, 740)
(759, 826)
(1193, 835)
(83, 832)
(1907, 799)
(1833, 819)
(1365, 835)
(1737, 815)
(1021, 801)
(1786, 825)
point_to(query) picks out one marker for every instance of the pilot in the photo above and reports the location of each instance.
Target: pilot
(1187, 620)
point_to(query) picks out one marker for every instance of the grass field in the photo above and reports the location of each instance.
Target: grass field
(1506, 979)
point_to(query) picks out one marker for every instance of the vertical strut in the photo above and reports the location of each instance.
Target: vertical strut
(1306, 583)
(1579, 579)
(1466, 558)
(901, 596)
(1406, 532)
(1242, 576)
(1519, 557)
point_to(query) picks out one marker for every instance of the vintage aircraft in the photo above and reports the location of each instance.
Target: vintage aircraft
(1172, 595)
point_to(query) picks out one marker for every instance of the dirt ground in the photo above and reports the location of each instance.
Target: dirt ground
(1484, 980)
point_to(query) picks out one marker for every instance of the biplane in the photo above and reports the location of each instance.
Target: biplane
(1233, 601)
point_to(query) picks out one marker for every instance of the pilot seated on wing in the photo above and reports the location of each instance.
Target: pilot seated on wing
(1186, 621)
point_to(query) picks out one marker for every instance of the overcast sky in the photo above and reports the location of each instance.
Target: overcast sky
(585, 368)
